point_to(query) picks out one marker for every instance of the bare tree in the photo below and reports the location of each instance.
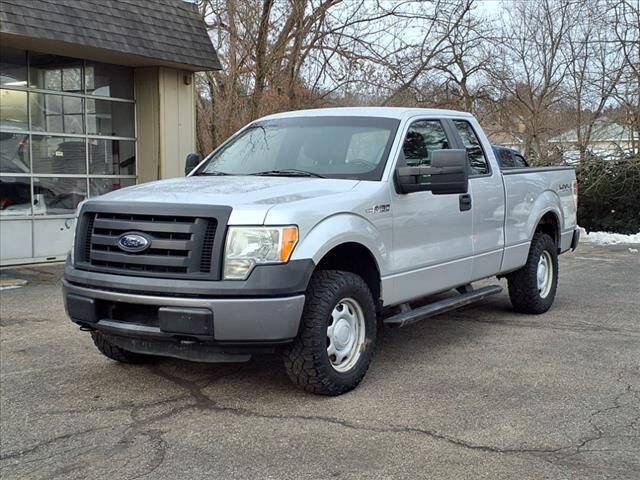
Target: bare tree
(439, 25)
(595, 67)
(553, 65)
(466, 61)
(625, 24)
(530, 69)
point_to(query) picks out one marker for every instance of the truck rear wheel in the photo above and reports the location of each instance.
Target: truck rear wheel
(334, 347)
(532, 288)
(108, 349)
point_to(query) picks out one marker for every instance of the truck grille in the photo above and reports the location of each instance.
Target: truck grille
(182, 246)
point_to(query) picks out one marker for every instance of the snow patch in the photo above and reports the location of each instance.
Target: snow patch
(606, 238)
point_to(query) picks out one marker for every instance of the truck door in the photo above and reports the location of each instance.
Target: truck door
(432, 247)
(487, 200)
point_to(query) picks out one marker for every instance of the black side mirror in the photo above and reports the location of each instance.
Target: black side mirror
(193, 159)
(448, 173)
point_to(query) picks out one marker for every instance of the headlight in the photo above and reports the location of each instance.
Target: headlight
(247, 247)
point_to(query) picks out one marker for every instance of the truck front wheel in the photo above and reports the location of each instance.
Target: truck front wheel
(108, 349)
(532, 288)
(334, 347)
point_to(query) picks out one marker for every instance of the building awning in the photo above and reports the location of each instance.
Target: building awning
(129, 32)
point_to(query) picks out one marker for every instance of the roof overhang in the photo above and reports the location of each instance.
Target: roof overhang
(57, 47)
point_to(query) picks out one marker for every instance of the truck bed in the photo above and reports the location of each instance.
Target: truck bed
(531, 193)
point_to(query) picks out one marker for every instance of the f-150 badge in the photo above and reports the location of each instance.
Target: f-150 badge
(379, 208)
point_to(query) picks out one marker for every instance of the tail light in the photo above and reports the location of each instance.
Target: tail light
(575, 193)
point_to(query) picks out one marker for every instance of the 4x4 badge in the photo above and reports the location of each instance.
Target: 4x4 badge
(379, 208)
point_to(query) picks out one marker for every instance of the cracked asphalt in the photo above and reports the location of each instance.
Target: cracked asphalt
(478, 393)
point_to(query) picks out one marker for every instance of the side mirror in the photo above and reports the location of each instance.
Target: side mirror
(448, 173)
(193, 159)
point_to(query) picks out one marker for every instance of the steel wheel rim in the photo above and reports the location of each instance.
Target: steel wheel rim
(345, 335)
(544, 274)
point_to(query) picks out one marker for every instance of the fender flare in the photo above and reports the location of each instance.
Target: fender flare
(547, 201)
(339, 229)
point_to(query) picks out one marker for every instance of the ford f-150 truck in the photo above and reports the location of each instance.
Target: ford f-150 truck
(305, 231)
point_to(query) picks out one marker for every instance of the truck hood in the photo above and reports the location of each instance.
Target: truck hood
(250, 197)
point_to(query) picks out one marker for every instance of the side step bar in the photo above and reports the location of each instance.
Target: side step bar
(412, 316)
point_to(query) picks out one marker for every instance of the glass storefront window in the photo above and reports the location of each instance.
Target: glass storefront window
(15, 196)
(110, 118)
(112, 157)
(51, 72)
(13, 67)
(56, 196)
(106, 80)
(56, 137)
(14, 152)
(56, 113)
(13, 110)
(100, 186)
(61, 155)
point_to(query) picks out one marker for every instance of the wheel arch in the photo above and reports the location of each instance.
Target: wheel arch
(549, 223)
(355, 258)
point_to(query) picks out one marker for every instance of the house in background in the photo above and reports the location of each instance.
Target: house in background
(608, 138)
(95, 95)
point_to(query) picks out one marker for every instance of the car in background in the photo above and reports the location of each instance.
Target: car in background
(508, 157)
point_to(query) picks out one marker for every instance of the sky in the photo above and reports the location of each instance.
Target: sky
(489, 7)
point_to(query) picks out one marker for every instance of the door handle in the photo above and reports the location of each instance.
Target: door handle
(465, 202)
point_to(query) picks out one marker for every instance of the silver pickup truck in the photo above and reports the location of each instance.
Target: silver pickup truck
(305, 231)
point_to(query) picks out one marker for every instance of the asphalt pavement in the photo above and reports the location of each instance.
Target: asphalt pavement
(482, 392)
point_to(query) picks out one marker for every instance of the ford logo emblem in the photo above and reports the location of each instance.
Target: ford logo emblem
(133, 242)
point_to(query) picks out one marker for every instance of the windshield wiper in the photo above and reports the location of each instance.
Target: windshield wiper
(289, 172)
(212, 173)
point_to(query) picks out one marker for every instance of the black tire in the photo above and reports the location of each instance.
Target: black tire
(306, 359)
(116, 353)
(523, 284)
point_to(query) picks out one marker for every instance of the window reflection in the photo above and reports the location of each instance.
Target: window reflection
(55, 196)
(58, 154)
(423, 137)
(477, 160)
(56, 113)
(13, 110)
(51, 72)
(112, 157)
(14, 152)
(110, 118)
(100, 186)
(13, 67)
(15, 196)
(46, 133)
(108, 80)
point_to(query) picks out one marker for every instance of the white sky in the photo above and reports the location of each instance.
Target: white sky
(489, 7)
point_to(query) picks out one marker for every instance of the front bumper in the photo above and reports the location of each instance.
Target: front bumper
(213, 321)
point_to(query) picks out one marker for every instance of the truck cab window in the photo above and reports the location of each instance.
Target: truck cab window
(423, 137)
(477, 159)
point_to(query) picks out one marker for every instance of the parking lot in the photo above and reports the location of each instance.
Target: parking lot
(478, 393)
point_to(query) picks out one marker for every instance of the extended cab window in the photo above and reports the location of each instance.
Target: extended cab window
(477, 160)
(423, 137)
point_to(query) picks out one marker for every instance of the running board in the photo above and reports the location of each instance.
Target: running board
(415, 315)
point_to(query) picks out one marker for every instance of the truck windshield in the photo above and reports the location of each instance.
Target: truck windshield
(333, 147)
